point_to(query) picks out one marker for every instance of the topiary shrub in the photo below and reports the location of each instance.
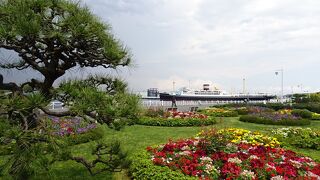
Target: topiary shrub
(304, 113)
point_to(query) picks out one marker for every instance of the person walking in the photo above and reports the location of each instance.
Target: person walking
(174, 102)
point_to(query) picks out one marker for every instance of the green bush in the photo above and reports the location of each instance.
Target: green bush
(313, 107)
(222, 114)
(242, 111)
(143, 168)
(304, 113)
(92, 135)
(299, 137)
(285, 122)
(176, 122)
(151, 112)
(315, 116)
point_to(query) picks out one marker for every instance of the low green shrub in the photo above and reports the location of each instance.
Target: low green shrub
(92, 135)
(176, 122)
(223, 114)
(313, 107)
(299, 137)
(315, 116)
(285, 122)
(154, 112)
(241, 110)
(304, 113)
(143, 168)
(220, 112)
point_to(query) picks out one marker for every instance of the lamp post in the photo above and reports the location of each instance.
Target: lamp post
(277, 73)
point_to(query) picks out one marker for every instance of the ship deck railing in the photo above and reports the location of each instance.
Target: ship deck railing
(197, 103)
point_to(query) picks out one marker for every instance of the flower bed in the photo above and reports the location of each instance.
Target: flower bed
(212, 155)
(74, 130)
(70, 126)
(237, 135)
(299, 137)
(281, 117)
(173, 118)
(220, 112)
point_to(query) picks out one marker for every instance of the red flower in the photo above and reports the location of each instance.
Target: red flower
(256, 163)
(230, 170)
(316, 170)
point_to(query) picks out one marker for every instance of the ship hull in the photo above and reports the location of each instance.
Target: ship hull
(170, 97)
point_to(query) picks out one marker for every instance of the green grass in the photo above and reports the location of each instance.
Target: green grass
(137, 137)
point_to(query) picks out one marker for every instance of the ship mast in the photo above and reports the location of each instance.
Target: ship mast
(244, 86)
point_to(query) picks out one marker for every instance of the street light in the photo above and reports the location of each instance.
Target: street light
(277, 73)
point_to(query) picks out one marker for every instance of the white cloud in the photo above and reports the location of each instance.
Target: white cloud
(217, 41)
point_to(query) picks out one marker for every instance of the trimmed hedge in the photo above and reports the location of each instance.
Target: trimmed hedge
(304, 113)
(259, 120)
(143, 168)
(176, 122)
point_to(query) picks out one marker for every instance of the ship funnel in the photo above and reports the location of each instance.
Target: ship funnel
(206, 87)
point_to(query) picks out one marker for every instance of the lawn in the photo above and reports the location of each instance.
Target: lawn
(138, 137)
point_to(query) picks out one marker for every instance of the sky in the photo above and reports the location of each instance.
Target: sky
(214, 41)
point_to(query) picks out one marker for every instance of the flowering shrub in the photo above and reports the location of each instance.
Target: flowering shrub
(262, 115)
(241, 110)
(299, 137)
(234, 161)
(70, 126)
(176, 121)
(259, 109)
(238, 135)
(220, 112)
(183, 115)
(176, 118)
(303, 113)
(285, 111)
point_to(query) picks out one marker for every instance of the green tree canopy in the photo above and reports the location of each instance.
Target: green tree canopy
(52, 36)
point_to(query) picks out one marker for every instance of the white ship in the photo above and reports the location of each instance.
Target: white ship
(212, 95)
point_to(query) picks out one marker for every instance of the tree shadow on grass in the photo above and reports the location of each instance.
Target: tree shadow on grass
(71, 170)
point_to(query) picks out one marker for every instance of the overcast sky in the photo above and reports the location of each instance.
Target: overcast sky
(220, 42)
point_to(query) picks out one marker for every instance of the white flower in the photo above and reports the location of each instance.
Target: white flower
(277, 178)
(312, 164)
(269, 166)
(253, 157)
(206, 159)
(185, 148)
(248, 174)
(312, 175)
(235, 160)
(195, 143)
(185, 153)
(296, 164)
